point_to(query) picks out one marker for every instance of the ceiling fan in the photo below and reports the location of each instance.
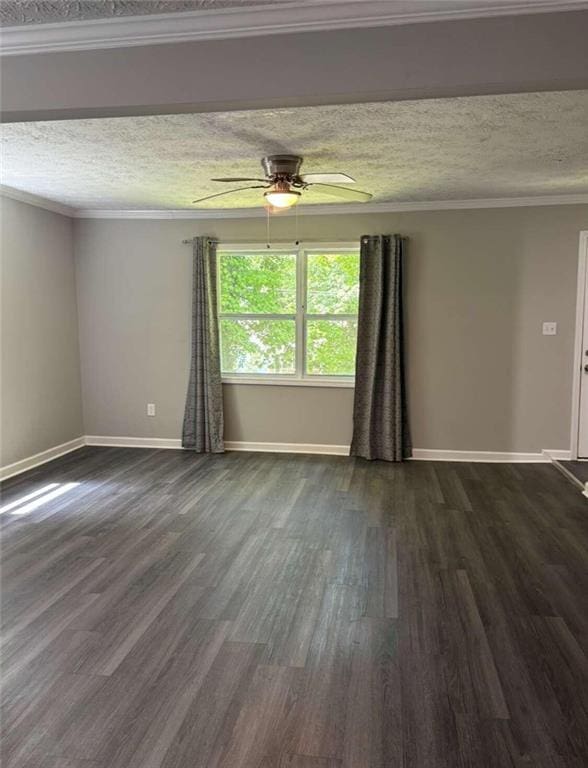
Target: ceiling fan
(284, 184)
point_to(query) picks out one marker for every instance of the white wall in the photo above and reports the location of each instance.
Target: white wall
(41, 404)
(479, 285)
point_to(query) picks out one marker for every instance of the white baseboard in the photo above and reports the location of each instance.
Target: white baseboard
(499, 457)
(41, 458)
(330, 450)
(164, 442)
(557, 455)
(419, 454)
(133, 442)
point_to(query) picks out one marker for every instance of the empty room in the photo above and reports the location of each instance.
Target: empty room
(294, 384)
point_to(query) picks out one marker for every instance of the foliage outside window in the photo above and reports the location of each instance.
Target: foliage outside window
(288, 313)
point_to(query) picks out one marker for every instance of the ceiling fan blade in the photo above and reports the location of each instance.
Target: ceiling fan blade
(327, 178)
(344, 192)
(228, 192)
(237, 178)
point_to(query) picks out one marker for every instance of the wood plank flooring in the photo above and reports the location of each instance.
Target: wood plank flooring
(579, 469)
(166, 610)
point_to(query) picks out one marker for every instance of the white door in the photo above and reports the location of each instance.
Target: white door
(583, 372)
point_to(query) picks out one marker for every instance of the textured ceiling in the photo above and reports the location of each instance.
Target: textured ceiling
(19, 12)
(461, 148)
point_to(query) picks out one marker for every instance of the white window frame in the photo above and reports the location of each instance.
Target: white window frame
(300, 378)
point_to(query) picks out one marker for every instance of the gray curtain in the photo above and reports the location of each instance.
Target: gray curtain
(380, 422)
(203, 417)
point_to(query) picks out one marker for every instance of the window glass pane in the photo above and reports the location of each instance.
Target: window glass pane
(332, 283)
(330, 347)
(258, 282)
(258, 346)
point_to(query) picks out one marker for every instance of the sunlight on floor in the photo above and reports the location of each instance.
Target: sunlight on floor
(37, 498)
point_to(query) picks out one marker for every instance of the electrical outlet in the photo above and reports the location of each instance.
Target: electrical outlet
(150, 409)
(550, 329)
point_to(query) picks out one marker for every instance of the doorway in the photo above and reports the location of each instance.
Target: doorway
(579, 441)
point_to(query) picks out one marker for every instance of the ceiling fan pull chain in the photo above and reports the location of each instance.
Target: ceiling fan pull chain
(267, 219)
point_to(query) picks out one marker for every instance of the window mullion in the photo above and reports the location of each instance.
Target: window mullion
(300, 299)
(255, 316)
(332, 316)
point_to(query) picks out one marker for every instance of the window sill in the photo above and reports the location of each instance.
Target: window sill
(283, 382)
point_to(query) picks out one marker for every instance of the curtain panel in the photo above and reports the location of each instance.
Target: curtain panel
(203, 416)
(380, 420)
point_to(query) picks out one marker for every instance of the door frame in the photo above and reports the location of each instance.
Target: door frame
(581, 302)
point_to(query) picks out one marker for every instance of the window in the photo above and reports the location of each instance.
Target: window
(288, 314)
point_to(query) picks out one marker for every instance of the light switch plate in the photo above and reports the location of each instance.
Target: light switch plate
(150, 409)
(550, 329)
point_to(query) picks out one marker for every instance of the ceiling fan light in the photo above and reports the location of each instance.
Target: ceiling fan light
(282, 199)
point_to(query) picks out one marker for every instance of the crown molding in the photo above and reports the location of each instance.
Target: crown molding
(279, 18)
(37, 200)
(336, 208)
(328, 209)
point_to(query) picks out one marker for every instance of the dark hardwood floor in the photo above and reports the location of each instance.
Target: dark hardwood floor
(579, 470)
(277, 611)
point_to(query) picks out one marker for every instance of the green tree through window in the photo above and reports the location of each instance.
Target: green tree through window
(288, 313)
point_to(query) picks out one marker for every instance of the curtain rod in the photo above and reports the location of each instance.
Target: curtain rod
(300, 241)
(256, 242)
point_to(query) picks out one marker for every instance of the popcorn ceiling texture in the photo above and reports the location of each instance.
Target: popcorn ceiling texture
(439, 149)
(20, 12)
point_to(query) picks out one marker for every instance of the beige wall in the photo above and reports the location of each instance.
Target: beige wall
(479, 285)
(40, 365)
(542, 52)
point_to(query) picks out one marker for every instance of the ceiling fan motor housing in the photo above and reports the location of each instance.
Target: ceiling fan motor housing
(282, 166)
